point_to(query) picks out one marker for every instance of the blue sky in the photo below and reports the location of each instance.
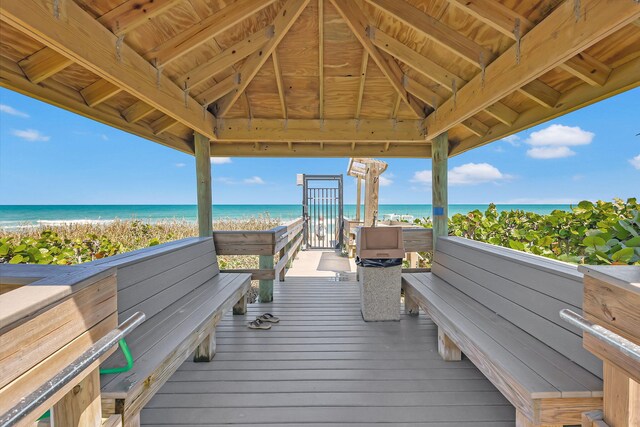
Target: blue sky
(51, 156)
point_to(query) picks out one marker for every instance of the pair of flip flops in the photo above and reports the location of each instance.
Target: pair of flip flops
(263, 321)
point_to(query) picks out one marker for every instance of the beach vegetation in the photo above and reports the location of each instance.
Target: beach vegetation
(598, 232)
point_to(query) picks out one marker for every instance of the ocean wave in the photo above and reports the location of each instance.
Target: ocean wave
(57, 222)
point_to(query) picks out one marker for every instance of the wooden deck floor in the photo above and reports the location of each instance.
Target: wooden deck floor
(323, 365)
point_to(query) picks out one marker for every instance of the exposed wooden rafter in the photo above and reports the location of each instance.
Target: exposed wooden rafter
(278, 74)
(433, 71)
(163, 124)
(122, 67)
(137, 111)
(278, 130)
(321, 56)
(285, 19)
(505, 20)
(543, 94)
(227, 58)
(363, 79)
(359, 25)
(435, 30)
(220, 89)
(538, 54)
(99, 92)
(204, 31)
(43, 64)
(132, 13)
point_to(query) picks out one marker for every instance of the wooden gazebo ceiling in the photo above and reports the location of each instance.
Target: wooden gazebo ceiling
(320, 78)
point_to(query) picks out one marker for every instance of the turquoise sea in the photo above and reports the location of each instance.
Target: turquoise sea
(15, 216)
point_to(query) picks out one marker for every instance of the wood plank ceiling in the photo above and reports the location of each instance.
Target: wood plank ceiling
(320, 78)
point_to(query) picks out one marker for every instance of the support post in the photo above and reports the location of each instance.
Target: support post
(439, 161)
(448, 350)
(358, 197)
(371, 195)
(282, 254)
(240, 307)
(81, 406)
(206, 350)
(266, 286)
(621, 397)
(203, 174)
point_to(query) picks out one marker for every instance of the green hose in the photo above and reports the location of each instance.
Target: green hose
(127, 355)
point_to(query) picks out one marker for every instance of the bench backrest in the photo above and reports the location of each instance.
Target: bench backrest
(527, 290)
(150, 279)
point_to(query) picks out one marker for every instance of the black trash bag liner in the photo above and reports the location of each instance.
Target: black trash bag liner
(378, 262)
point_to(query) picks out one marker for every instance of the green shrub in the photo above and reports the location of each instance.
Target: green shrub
(591, 233)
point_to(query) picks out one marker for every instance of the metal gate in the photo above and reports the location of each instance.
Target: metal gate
(322, 211)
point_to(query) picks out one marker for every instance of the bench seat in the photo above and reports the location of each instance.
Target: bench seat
(184, 296)
(546, 387)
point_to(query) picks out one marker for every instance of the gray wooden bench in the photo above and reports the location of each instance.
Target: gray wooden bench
(180, 289)
(500, 308)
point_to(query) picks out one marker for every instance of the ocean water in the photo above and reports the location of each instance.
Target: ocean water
(15, 216)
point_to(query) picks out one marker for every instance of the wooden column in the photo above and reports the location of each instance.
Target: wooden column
(81, 407)
(372, 182)
(439, 161)
(358, 197)
(266, 286)
(206, 350)
(203, 174)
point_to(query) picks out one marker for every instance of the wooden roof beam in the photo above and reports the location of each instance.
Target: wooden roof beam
(505, 20)
(133, 13)
(43, 64)
(435, 30)
(433, 71)
(543, 94)
(329, 149)
(359, 25)
(219, 90)
(120, 66)
(62, 96)
(205, 30)
(99, 92)
(363, 79)
(137, 111)
(538, 54)
(321, 57)
(622, 79)
(327, 130)
(227, 58)
(163, 124)
(287, 15)
(278, 74)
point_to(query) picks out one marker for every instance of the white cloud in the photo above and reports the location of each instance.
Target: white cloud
(540, 201)
(387, 180)
(224, 180)
(12, 111)
(560, 136)
(550, 152)
(467, 174)
(254, 180)
(180, 165)
(30, 135)
(635, 162)
(422, 177)
(512, 139)
(220, 160)
(475, 173)
(553, 142)
(578, 177)
(104, 137)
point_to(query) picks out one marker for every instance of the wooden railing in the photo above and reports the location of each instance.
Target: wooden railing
(54, 319)
(416, 240)
(280, 243)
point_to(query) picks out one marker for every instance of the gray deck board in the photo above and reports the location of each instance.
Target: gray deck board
(323, 365)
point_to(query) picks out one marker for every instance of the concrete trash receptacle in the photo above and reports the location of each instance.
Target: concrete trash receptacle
(379, 257)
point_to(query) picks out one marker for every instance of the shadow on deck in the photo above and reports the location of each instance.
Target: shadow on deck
(323, 365)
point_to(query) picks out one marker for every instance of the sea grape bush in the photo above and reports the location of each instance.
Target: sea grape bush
(591, 233)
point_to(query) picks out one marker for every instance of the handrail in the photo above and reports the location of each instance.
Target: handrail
(71, 371)
(626, 347)
(283, 241)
